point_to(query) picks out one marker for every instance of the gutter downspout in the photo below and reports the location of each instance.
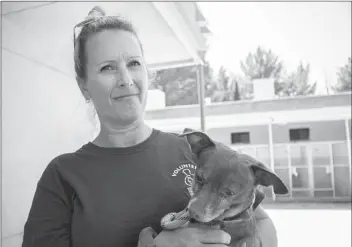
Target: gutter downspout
(271, 149)
(348, 143)
(200, 86)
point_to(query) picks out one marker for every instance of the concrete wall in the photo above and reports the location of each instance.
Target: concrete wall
(156, 99)
(250, 106)
(258, 134)
(43, 115)
(319, 131)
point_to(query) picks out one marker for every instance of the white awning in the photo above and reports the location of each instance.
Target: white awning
(43, 32)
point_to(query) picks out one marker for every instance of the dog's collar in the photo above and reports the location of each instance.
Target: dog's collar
(235, 217)
(249, 207)
(220, 221)
(258, 197)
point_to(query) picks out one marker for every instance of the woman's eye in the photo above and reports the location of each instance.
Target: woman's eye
(107, 68)
(134, 63)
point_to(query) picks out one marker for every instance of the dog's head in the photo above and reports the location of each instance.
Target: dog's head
(224, 178)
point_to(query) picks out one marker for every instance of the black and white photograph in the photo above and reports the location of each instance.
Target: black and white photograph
(175, 124)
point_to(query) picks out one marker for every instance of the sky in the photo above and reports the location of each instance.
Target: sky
(318, 33)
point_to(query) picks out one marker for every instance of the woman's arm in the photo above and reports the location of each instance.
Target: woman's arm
(49, 219)
(266, 228)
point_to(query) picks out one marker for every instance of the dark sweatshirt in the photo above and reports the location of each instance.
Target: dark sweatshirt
(103, 197)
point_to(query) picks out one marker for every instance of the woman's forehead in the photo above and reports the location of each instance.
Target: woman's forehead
(112, 45)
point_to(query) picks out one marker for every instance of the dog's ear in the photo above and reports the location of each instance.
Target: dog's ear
(265, 177)
(197, 140)
(188, 130)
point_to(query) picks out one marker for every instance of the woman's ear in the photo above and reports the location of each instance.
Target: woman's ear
(83, 87)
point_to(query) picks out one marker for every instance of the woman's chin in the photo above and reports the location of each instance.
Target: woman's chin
(129, 117)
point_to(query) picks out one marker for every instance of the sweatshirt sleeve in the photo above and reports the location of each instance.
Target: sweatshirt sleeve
(49, 220)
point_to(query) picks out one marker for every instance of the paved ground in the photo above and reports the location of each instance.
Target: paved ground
(312, 225)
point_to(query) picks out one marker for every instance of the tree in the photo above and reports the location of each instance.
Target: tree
(297, 83)
(236, 95)
(244, 86)
(344, 78)
(180, 84)
(261, 64)
(222, 86)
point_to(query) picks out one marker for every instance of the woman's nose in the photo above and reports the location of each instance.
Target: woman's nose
(125, 83)
(124, 79)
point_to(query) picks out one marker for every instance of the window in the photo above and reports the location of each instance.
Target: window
(240, 137)
(299, 135)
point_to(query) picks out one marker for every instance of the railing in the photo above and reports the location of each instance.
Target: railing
(311, 170)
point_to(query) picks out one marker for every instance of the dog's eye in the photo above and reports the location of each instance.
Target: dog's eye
(229, 193)
(199, 179)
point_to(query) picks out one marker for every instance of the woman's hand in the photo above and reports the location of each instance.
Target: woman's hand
(146, 237)
(193, 237)
(266, 228)
(184, 238)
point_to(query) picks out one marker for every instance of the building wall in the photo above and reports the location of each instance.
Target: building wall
(319, 131)
(258, 134)
(250, 106)
(43, 115)
(328, 176)
(155, 100)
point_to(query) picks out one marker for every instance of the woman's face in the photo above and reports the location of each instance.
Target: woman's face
(116, 77)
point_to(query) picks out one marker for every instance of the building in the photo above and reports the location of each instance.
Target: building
(156, 99)
(305, 140)
(43, 111)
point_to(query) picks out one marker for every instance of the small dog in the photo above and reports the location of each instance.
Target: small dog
(225, 188)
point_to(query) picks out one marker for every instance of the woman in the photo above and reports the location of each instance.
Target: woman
(110, 189)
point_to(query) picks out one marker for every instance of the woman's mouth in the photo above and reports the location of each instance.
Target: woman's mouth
(124, 97)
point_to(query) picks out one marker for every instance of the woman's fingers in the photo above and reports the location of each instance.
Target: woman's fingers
(215, 236)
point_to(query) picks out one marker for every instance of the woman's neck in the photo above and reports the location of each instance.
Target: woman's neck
(122, 137)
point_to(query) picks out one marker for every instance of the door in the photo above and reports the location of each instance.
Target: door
(282, 168)
(322, 168)
(341, 170)
(300, 171)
